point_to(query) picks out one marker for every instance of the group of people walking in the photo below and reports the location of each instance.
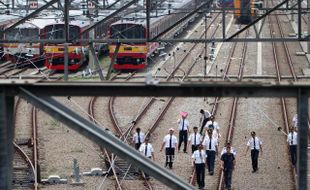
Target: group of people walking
(204, 147)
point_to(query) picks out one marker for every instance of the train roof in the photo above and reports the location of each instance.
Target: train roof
(140, 17)
(7, 19)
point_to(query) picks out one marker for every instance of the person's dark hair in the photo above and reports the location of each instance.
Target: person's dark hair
(138, 130)
(202, 111)
(253, 133)
(195, 127)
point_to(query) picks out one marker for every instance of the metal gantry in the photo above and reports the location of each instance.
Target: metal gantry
(40, 94)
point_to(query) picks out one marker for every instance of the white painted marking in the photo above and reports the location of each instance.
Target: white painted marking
(259, 69)
(218, 47)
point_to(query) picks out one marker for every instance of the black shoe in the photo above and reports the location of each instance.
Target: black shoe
(185, 151)
(253, 171)
(211, 173)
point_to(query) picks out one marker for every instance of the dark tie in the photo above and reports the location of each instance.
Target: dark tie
(145, 151)
(183, 125)
(292, 139)
(200, 156)
(210, 144)
(139, 140)
(195, 140)
(254, 143)
(170, 142)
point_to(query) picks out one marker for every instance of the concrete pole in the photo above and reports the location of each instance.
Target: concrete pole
(302, 156)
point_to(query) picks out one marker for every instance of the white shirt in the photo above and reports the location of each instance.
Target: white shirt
(205, 115)
(192, 138)
(215, 135)
(180, 124)
(206, 143)
(136, 137)
(199, 157)
(232, 150)
(149, 149)
(295, 120)
(174, 141)
(257, 143)
(292, 137)
(215, 124)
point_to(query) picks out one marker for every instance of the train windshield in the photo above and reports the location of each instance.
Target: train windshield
(23, 33)
(58, 32)
(127, 31)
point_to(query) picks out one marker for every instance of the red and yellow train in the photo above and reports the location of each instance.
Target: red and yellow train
(134, 56)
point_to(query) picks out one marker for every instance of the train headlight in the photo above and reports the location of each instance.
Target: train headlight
(138, 60)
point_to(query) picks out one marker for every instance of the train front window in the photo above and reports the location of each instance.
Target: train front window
(127, 31)
(24, 33)
(58, 32)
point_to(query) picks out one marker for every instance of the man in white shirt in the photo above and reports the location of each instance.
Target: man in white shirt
(255, 144)
(147, 150)
(204, 118)
(138, 138)
(194, 139)
(183, 126)
(211, 149)
(292, 142)
(212, 124)
(199, 160)
(170, 143)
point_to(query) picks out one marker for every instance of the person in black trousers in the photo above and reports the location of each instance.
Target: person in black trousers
(183, 125)
(204, 118)
(170, 143)
(292, 142)
(199, 160)
(227, 165)
(255, 144)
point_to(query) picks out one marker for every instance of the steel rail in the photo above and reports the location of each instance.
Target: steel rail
(277, 66)
(233, 113)
(192, 178)
(35, 148)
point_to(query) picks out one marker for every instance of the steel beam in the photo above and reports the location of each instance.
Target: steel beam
(168, 89)
(104, 139)
(6, 139)
(169, 40)
(302, 156)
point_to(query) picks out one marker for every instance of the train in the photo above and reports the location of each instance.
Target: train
(50, 26)
(6, 20)
(134, 56)
(244, 11)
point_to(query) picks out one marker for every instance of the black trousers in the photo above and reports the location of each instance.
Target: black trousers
(137, 146)
(210, 160)
(203, 124)
(183, 137)
(194, 147)
(254, 157)
(169, 157)
(227, 178)
(200, 174)
(293, 151)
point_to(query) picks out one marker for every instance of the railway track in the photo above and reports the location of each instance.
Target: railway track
(25, 163)
(277, 50)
